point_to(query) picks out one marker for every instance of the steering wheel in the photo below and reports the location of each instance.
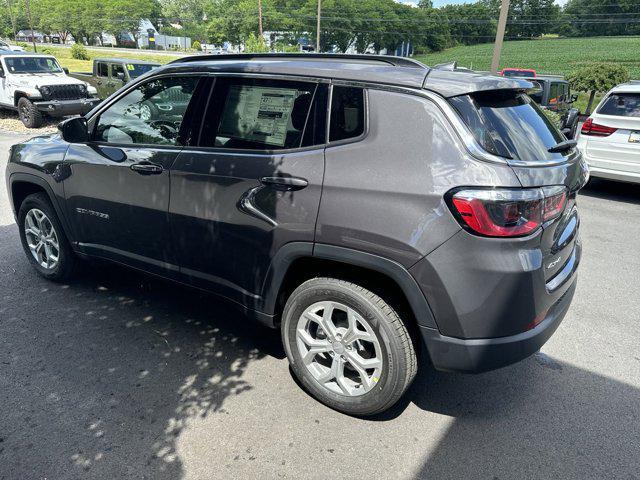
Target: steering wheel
(167, 129)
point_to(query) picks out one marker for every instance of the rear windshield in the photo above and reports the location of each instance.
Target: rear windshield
(509, 125)
(518, 73)
(621, 105)
(536, 92)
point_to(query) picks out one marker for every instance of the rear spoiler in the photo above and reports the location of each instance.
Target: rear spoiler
(449, 80)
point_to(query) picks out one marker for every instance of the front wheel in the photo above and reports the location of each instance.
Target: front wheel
(347, 346)
(43, 239)
(30, 116)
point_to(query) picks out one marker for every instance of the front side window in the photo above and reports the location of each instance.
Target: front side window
(347, 113)
(117, 70)
(152, 113)
(19, 65)
(258, 114)
(621, 105)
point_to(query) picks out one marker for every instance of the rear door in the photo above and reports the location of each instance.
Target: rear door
(117, 186)
(250, 185)
(619, 150)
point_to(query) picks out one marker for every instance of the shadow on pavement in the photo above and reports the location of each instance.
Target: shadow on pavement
(119, 363)
(610, 190)
(536, 419)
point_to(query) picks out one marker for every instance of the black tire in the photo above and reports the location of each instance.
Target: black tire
(30, 116)
(67, 261)
(399, 357)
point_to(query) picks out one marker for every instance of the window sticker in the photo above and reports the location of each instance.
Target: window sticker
(258, 114)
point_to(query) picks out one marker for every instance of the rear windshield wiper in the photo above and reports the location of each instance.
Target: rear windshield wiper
(563, 146)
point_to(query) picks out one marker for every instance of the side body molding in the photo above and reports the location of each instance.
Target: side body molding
(292, 251)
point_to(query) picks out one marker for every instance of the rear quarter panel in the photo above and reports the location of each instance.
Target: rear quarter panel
(384, 193)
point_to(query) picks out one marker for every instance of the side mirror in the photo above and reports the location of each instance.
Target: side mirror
(65, 70)
(120, 75)
(74, 130)
(1, 73)
(574, 98)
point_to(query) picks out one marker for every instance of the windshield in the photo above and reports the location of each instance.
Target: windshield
(621, 105)
(32, 65)
(510, 125)
(137, 69)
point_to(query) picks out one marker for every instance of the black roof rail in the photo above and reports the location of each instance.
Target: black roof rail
(338, 57)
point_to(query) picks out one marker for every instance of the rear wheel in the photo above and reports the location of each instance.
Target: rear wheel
(347, 346)
(30, 116)
(43, 239)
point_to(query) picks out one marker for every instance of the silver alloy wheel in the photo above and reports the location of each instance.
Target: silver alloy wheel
(339, 348)
(42, 238)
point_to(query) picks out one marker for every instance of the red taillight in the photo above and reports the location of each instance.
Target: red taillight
(508, 212)
(597, 130)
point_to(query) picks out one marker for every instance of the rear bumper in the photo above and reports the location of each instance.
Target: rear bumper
(482, 354)
(61, 108)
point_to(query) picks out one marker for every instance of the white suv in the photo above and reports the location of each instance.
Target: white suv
(610, 138)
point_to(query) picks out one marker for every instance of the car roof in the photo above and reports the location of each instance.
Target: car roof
(381, 69)
(126, 60)
(630, 87)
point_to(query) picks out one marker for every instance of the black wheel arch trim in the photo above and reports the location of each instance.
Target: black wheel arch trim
(42, 183)
(290, 252)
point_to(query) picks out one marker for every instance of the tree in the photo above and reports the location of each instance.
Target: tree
(597, 77)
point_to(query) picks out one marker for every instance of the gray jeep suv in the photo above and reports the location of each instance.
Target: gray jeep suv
(375, 210)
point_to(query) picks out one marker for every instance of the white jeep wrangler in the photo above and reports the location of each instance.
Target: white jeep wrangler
(36, 86)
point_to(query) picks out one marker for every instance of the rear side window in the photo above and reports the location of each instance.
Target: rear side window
(259, 114)
(347, 113)
(103, 70)
(622, 105)
(509, 125)
(554, 93)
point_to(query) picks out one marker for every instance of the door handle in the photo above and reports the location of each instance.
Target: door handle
(147, 168)
(286, 184)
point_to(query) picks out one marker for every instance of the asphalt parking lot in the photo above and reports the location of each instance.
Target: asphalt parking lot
(117, 375)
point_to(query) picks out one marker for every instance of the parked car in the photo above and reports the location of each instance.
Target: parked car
(373, 209)
(517, 72)
(11, 48)
(110, 74)
(610, 137)
(554, 93)
(36, 86)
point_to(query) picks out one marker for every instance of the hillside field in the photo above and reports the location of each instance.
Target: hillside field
(548, 55)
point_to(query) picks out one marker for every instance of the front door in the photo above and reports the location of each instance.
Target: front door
(118, 185)
(251, 185)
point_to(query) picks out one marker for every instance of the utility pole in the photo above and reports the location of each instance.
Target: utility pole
(33, 35)
(318, 27)
(260, 17)
(502, 24)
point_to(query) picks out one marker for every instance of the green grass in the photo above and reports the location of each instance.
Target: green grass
(547, 55)
(551, 56)
(64, 57)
